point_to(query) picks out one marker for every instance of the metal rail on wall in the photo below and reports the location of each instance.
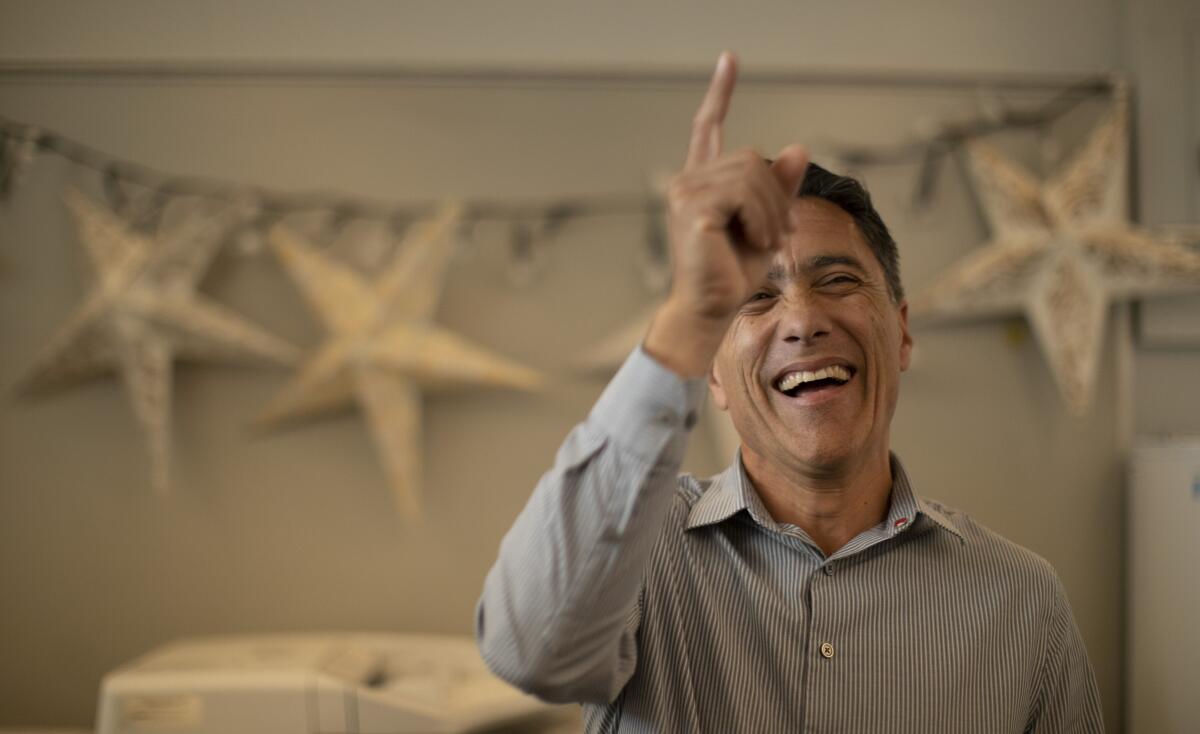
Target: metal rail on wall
(927, 150)
(1085, 84)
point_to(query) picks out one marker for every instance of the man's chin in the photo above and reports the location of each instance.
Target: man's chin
(812, 455)
(822, 461)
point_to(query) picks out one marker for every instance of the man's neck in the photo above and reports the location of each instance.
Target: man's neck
(831, 507)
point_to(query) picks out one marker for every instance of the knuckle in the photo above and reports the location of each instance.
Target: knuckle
(703, 223)
(676, 187)
(748, 156)
(679, 193)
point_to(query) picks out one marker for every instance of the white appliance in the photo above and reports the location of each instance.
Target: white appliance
(313, 684)
(1162, 663)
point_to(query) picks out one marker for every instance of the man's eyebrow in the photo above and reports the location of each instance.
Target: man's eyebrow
(817, 262)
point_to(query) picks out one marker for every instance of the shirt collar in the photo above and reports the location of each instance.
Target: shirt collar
(724, 498)
(731, 492)
(907, 506)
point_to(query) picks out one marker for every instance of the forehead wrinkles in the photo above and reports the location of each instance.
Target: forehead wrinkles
(825, 236)
(793, 268)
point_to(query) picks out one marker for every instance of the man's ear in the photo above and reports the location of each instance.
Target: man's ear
(906, 341)
(715, 388)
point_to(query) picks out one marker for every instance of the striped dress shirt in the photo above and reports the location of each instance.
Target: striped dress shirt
(667, 603)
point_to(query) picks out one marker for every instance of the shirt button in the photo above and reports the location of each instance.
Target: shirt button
(827, 649)
(828, 569)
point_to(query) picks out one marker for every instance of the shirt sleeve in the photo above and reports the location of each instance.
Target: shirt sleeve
(552, 619)
(1068, 699)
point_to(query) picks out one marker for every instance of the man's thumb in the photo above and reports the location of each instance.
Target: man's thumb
(789, 167)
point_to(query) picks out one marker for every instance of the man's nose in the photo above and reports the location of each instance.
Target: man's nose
(804, 319)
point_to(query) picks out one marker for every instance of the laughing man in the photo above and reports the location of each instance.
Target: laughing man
(807, 588)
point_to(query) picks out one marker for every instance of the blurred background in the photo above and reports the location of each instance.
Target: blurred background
(555, 124)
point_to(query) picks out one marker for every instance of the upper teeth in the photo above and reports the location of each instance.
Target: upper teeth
(792, 379)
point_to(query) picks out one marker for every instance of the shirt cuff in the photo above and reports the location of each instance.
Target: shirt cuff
(646, 404)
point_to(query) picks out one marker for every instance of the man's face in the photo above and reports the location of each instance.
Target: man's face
(824, 315)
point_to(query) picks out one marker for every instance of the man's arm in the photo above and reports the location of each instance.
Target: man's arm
(1068, 698)
(552, 619)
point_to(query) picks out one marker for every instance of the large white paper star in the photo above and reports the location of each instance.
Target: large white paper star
(1061, 251)
(383, 346)
(144, 311)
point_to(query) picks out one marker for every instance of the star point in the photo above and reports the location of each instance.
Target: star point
(1061, 251)
(384, 348)
(143, 312)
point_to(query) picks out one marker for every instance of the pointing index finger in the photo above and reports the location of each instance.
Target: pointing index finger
(710, 118)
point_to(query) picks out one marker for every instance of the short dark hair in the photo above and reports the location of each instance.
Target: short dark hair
(849, 194)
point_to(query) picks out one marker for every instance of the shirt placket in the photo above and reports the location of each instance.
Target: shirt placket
(825, 647)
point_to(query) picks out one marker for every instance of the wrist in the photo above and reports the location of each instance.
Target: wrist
(684, 342)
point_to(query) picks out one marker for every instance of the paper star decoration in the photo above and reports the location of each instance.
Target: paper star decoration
(383, 346)
(1062, 250)
(144, 312)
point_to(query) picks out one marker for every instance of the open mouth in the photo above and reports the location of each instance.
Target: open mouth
(804, 382)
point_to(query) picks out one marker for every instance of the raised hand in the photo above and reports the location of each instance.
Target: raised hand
(727, 213)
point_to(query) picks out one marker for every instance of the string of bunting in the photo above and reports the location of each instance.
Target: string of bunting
(148, 310)
(139, 193)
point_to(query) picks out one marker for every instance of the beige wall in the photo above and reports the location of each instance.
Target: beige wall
(1025, 35)
(293, 530)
